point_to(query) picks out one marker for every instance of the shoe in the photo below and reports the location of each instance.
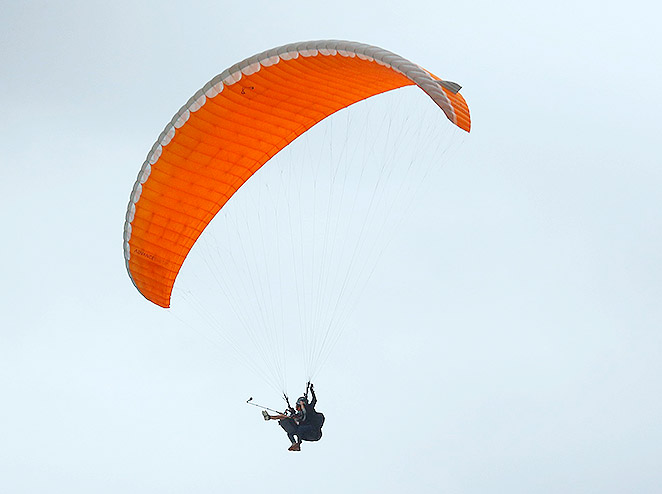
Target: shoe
(296, 447)
(291, 448)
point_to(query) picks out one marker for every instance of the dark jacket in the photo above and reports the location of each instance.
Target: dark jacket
(313, 417)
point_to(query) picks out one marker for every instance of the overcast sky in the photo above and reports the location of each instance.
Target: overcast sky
(509, 341)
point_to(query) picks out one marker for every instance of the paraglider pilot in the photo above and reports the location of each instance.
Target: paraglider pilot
(303, 424)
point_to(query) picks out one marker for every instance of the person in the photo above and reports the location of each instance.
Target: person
(303, 423)
(314, 419)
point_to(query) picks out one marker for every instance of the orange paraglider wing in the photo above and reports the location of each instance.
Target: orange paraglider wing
(234, 125)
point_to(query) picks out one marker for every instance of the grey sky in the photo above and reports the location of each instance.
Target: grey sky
(509, 341)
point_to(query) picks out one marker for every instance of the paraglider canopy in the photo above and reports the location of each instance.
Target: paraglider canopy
(234, 125)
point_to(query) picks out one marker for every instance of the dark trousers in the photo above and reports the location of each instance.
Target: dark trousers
(290, 427)
(302, 432)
